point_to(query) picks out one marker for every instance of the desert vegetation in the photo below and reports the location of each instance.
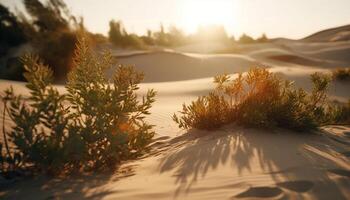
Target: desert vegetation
(262, 99)
(94, 126)
(120, 37)
(341, 74)
(44, 25)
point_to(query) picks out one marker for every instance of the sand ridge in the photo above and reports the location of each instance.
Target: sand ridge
(229, 163)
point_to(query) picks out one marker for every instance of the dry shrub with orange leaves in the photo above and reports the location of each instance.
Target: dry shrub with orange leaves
(260, 99)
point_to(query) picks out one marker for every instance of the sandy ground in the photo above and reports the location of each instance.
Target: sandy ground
(229, 163)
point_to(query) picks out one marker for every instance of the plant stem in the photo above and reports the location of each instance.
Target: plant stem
(4, 131)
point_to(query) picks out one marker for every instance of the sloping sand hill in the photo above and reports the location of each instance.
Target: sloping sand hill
(336, 34)
(186, 65)
(229, 163)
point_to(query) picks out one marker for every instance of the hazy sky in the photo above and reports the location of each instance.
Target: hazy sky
(276, 18)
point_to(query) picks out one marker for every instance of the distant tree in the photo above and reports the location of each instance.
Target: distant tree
(120, 37)
(50, 17)
(161, 37)
(115, 33)
(11, 32)
(148, 39)
(262, 38)
(176, 36)
(54, 36)
(12, 35)
(149, 33)
(232, 39)
(133, 41)
(245, 39)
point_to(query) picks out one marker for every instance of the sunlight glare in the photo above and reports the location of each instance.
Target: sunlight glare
(208, 12)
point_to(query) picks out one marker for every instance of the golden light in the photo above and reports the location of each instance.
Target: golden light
(208, 12)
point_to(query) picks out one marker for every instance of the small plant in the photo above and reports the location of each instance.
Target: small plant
(341, 113)
(108, 117)
(39, 131)
(94, 126)
(206, 113)
(341, 74)
(259, 99)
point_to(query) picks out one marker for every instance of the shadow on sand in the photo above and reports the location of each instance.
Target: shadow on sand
(91, 187)
(295, 163)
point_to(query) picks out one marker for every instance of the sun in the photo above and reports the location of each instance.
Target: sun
(207, 12)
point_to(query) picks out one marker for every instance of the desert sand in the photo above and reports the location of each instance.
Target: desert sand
(229, 163)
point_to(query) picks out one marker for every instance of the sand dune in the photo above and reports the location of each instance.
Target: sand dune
(334, 53)
(341, 33)
(177, 66)
(229, 163)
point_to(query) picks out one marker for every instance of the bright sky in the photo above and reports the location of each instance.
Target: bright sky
(276, 18)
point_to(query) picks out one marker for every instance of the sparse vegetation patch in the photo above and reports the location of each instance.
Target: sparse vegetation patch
(261, 99)
(342, 74)
(92, 127)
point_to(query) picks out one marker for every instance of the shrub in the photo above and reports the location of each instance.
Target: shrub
(263, 38)
(246, 39)
(60, 57)
(341, 74)
(109, 118)
(341, 113)
(205, 113)
(259, 99)
(119, 37)
(39, 131)
(94, 126)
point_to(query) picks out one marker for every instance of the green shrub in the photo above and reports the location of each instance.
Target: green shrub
(94, 126)
(39, 131)
(109, 117)
(259, 99)
(341, 74)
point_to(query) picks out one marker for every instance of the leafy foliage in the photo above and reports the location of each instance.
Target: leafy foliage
(39, 131)
(11, 33)
(119, 37)
(341, 113)
(44, 25)
(205, 113)
(246, 39)
(259, 99)
(263, 38)
(342, 74)
(109, 117)
(51, 25)
(94, 126)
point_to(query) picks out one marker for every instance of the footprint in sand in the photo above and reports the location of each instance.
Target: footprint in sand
(340, 172)
(296, 186)
(260, 192)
